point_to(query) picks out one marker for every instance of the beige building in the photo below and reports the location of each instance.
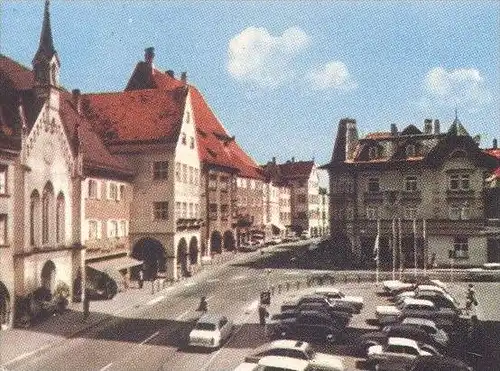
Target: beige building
(424, 189)
(324, 213)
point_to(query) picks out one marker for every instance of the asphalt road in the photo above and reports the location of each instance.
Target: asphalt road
(153, 336)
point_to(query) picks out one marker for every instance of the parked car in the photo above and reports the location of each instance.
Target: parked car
(306, 325)
(274, 363)
(396, 355)
(390, 286)
(440, 336)
(334, 294)
(305, 235)
(249, 247)
(297, 350)
(387, 314)
(402, 331)
(339, 309)
(438, 363)
(340, 319)
(210, 331)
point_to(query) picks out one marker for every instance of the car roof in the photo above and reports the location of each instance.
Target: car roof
(402, 341)
(327, 290)
(283, 344)
(418, 321)
(418, 302)
(430, 288)
(438, 363)
(211, 318)
(314, 313)
(286, 363)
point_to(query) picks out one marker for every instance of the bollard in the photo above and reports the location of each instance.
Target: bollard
(345, 278)
(359, 278)
(298, 284)
(287, 286)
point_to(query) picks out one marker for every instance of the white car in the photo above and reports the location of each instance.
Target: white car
(210, 331)
(396, 355)
(394, 285)
(297, 350)
(429, 326)
(334, 294)
(273, 363)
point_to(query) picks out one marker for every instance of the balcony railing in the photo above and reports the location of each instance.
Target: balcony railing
(460, 193)
(189, 223)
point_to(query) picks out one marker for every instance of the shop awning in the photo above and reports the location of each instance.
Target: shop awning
(116, 264)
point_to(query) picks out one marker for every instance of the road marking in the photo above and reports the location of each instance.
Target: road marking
(293, 273)
(149, 338)
(239, 277)
(213, 280)
(252, 307)
(106, 367)
(155, 300)
(182, 315)
(188, 284)
(210, 298)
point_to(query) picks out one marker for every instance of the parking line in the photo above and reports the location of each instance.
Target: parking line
(155, 300)
(149, 338)
(239, 277)
(213, 280)
(106, 367)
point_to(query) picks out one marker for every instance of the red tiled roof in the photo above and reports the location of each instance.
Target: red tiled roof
(297, 169)
(378, 135)
(18, 75)
(95, 153)
(149, 114)
(493, 152)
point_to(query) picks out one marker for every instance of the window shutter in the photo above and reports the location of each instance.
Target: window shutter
(109, 229)
(118, 192)
(85, 188)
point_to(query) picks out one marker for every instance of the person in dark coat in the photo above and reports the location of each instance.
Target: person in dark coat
(263, 314)
(203, 307)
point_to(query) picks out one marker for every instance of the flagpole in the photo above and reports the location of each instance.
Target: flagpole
(415, 246)
(399, 248)
(393, 243)
(377, 251)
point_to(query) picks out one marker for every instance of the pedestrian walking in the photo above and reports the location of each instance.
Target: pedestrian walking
(203, 306)
(263, 314)
(141, 278)
(470, 298)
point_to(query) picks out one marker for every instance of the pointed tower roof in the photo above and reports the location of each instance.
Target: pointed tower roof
(46, 48)
(456, 128)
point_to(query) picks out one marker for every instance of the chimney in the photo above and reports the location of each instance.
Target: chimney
(170, 73)
(351, 137)
(436, 128)
(293, 160)
(428, 126)
(149, 55)
(477, 139)
(184, 77)
(495, 143)
(77, 100)
(274, 160)
(394, 130)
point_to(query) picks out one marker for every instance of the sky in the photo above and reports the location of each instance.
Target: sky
(280, 75)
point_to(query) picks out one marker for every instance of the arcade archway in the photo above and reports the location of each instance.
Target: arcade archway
(229, 242)
(193, 250)
(216, 242)
(182, 258)
(153, 254)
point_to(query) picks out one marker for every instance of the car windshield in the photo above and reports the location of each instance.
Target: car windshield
(205, 326)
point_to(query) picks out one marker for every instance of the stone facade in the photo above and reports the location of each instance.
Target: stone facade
(425, 189)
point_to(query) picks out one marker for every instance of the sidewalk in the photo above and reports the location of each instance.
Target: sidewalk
(17, 344)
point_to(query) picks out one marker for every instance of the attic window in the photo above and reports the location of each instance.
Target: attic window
(184, 140)
(410, 150)
(191, 142)
(372, 153)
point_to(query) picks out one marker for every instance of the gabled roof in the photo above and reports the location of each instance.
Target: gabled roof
(457, 129)
(19, 76)
(137, 115)
(296, 169)
(495, 152)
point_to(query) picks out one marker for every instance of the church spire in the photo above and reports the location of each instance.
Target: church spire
(46, 45)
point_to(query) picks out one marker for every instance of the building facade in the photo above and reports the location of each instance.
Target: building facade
(421, 191)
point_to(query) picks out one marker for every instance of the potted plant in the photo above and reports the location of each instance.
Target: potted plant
(61, 295)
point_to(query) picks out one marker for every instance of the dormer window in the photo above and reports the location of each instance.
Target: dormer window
(191, 142)
(372, 153)
(184, 138)
(410, 150)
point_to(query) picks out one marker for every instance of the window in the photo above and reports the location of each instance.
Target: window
(459, 182)
(464, 212)
(112, 229)
(301, 199)
(465, 178)
(371, 213)
(196, 176)
(3, 180)
(372, 153)
(112, 191)
(410, 212)
(459, 211)
(454, 182)
(122, 192)
(191, 211)
(3, 229)
(123, 228)
(183, 138)
(461, 248)
(191, 171)
(411, 183)
(212, 182)
(301, 215)
(160, 210)
(410, 150)
(184, 173)
(191, 142)
(178, 171)
(178, 211)
(224, 211)
(373, 185)
(224, 183)
(60, 218)
(212, 208)
(93, 231)
(184, 210)
(454, 212)
(196, 211)
(160, 170)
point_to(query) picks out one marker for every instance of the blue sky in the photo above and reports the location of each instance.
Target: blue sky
(280, 75)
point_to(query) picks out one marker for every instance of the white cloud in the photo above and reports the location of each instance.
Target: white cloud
(333, 75)
(257, 57)
(464, 87)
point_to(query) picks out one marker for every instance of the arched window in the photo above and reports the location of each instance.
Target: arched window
(410, 150)
(47, 212)
(34, 218)
(60, 218)
(372, 153)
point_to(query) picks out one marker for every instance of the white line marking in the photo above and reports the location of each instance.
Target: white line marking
(210, 297)
(182, 315)
(149, 338)
(155, 300)
(239, 277)
(189, 284)
(106, 367)
(213, 280)
(293, 273)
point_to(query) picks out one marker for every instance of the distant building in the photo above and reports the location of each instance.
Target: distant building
(424, 188)
(324, 214)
